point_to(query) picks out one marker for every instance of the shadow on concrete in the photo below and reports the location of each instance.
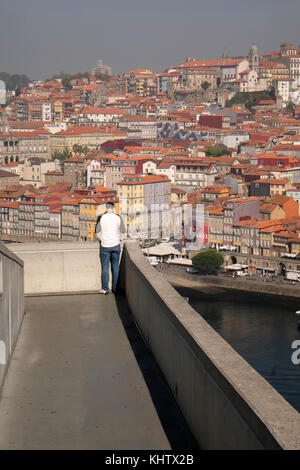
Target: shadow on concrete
(171, 418)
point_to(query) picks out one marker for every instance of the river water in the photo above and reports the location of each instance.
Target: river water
(259, 328)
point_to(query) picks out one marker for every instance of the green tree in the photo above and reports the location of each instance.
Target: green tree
(290, 107)
(102, 76)
(14, 82)
(80, 149)
(250, 99)
(217, 151)
(62, 156)
(208, 261)
(205, 85)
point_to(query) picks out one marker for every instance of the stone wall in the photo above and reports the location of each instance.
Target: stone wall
(225, 402)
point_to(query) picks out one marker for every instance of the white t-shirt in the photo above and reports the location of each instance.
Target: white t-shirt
(109, 229)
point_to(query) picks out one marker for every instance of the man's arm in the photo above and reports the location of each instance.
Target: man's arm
(122, 225)
(98, 230)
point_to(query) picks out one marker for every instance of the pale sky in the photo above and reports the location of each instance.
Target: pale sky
(40, 38)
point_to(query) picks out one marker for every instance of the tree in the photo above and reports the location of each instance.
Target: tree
(217, 151)
(80, 149)
(208, 261)
(290, 107)
(62, 156)
(102, 76)
(250, 99)
(205, 85)
(14, 82)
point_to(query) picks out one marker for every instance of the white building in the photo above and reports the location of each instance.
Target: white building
(233, 140)
(282, 87)
(46, 111)
(102, 69)
(55, 126)
(92, 171)
(94, 116)
(195, 175)
(232, 68)
(34, 171)
(139, 127)
(14, 167)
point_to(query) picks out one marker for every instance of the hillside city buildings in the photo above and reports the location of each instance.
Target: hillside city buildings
(159, 145)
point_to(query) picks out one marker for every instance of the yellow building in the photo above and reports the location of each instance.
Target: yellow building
(216, 227)
(90, 207)
(86, 136)
(272, 71)
(138, 195)
(58, 111)
(266, 241)
(295, 245)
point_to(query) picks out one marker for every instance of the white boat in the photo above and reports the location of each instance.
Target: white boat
(298, 312)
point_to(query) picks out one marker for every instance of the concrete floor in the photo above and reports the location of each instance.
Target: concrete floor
(82, 378)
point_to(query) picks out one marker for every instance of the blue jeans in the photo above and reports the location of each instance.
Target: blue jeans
(107, 256)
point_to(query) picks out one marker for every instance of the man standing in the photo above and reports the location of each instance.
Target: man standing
(108, 232)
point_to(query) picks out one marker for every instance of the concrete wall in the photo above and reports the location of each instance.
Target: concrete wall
(225, 402)
(11, 305)
(60, 267)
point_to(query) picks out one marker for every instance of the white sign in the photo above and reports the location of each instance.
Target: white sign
(2, 352)
(296, 354)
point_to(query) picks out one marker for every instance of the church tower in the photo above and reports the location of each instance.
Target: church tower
(225, 55)
(4, 125)
(254, 58)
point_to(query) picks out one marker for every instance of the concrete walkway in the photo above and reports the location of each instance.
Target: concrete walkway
(82, 378)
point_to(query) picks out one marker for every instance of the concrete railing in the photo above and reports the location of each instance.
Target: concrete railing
(226, 403)
(60, 267)
(11, 305)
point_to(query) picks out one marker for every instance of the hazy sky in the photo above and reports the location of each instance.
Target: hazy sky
(41, 38)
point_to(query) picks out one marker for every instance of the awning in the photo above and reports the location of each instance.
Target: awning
(163, 249)
(180, 261)
(236, 267)
(288, 255)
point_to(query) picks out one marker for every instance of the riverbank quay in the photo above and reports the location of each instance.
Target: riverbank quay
(216, 284)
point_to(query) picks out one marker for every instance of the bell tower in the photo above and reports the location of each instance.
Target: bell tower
(254, 58)
(4, 125)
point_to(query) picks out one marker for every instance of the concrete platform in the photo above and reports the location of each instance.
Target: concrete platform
(82, 378)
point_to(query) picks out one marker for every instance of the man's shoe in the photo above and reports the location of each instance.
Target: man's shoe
(104, 292)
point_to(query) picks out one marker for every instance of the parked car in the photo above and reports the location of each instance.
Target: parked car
(293, 276)
(192, 270)
(241, 273)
